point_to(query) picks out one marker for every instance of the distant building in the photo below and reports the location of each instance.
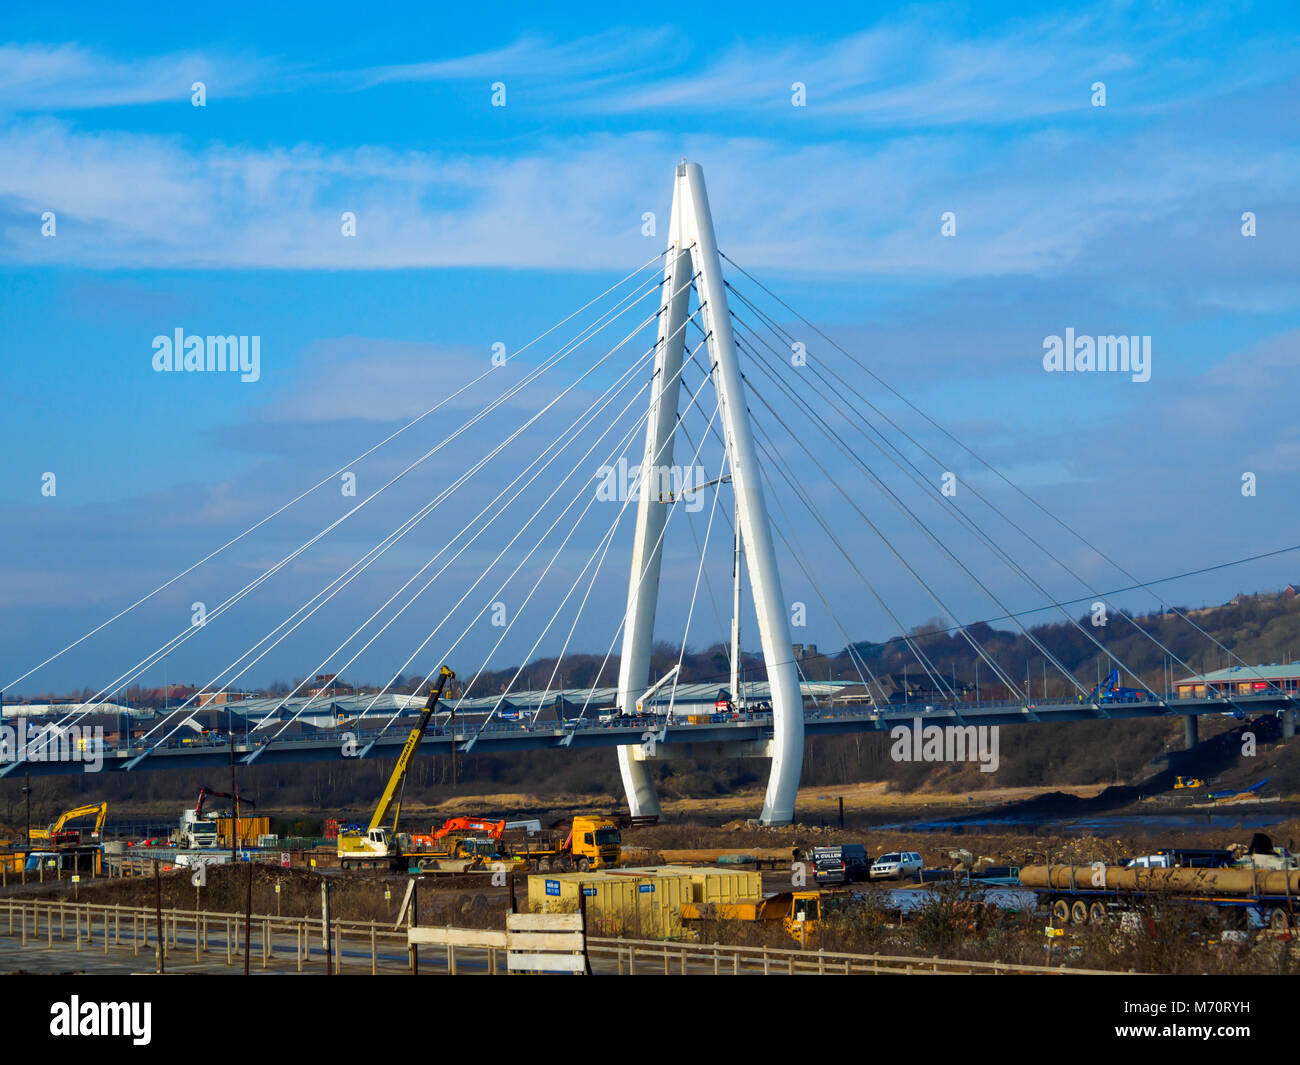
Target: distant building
(220, 698)
(1240, 680)
(329, 684)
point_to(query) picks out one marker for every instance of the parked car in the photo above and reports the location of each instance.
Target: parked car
(840, 863)
(1182, 858)
(897, 865)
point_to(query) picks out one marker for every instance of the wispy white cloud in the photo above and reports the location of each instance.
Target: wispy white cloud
(920, 68)
(1044, 203)
(71, 77)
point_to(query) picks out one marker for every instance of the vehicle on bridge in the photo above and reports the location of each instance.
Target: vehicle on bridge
(1110, 691)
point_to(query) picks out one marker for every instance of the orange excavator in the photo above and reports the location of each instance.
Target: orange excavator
(491, 829)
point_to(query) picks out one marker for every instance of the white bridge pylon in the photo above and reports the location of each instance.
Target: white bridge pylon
(693, 251)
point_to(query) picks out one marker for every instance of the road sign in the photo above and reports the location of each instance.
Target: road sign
(284, 859)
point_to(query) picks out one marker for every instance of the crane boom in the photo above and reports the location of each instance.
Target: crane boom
(390, 800)
(205, 792)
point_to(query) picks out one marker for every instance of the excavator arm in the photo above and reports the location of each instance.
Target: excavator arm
(492, 829)
(100, 809)
(390, 800)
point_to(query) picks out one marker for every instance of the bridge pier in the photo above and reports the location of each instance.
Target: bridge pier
(1190, 728)
(693, 253)
(1288, 724)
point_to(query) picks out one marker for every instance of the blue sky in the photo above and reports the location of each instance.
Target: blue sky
(478, 224)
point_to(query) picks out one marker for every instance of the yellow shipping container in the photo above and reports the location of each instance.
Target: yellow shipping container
(716, 885)
(250, 828)
(611, 904)
(646, 906)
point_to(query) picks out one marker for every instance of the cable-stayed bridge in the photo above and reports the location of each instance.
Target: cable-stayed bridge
(687, 388)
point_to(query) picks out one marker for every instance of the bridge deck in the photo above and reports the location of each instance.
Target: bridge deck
(504, 737)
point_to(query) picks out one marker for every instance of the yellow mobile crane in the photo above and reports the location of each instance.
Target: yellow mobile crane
(378, 845)
(55, 834)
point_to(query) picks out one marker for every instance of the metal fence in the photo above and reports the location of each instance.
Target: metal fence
(289, 944)
(648, 956)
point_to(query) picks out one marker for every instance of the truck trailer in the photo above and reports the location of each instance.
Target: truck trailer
(1094, 894)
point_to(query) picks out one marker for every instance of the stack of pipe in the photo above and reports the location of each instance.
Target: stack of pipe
(1235, 881)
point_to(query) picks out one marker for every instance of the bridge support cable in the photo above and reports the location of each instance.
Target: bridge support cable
(859, 664)
(671, 509)
(371, 555)
(933, 674)
(708, 585)
(326, 479)
(604, 551)
(931, 671)
(919, 478)
(938, 600)
(392, 538)
(572, 628)
(554, 448)
(519, 613)
(893, 550)
(964, 520)
(618, 449)
(532, 472)
(1137, 582)
(821, 423)
(844, 384)
(695, 591)
(609, 317)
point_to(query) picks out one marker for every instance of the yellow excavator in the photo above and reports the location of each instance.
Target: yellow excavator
(55, 834)
(378, 844)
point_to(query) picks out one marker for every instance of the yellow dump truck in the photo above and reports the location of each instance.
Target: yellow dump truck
(800, 912)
